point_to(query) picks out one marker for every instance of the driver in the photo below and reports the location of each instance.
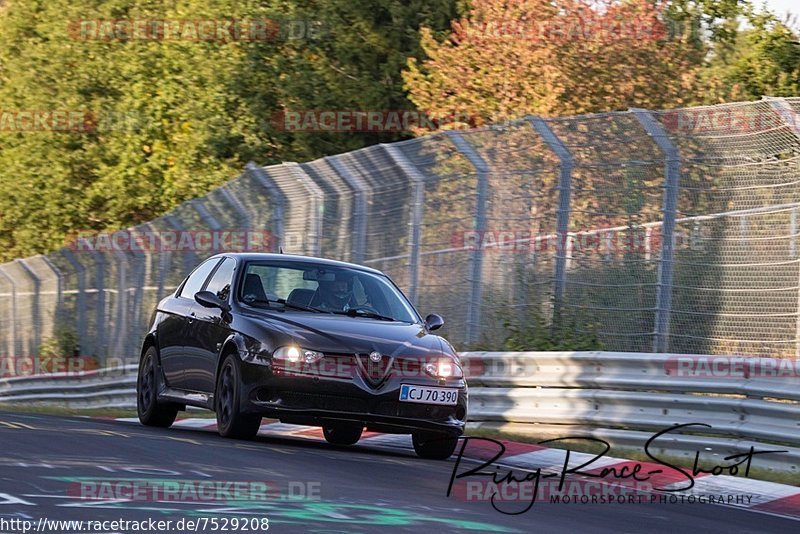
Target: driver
(337, 294)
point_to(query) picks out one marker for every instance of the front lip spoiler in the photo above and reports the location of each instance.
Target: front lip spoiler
(267, 409)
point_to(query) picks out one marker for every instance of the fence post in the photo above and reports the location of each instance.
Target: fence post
(138, 315)
(121, 321)
(36, 311)
(276, 196)
(672, 170)
(562, 214)
(479, 225)
(205, 215)
(359, 188)
(789, 117)
(316, 206)
(233, 201)
(14, 348)
(415, 222)
(58, 309)
(80, 297)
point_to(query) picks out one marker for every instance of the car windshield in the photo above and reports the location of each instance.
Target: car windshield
(314, 288)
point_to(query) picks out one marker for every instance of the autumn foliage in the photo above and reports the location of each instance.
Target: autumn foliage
(507, 59)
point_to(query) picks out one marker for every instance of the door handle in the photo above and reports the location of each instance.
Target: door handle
(191, 317)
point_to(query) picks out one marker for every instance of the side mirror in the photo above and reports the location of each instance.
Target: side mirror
(434, 322)
(207, 299)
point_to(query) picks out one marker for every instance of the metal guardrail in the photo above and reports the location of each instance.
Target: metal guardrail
(623, 398)
(105, 388)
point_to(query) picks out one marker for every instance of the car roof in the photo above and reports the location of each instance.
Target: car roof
(263, 256)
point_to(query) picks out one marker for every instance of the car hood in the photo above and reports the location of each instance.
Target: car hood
(340, 334)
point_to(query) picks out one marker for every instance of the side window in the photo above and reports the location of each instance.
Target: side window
(197, 278)
(220, 283)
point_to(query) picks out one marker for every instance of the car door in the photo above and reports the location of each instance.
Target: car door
(177, 331)
(208, 331)
(169, 334)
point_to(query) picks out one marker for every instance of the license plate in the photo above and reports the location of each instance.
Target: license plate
(426, 395)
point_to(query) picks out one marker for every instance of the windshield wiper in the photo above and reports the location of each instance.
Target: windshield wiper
(251, 302)
(355, 312)
(300, 306)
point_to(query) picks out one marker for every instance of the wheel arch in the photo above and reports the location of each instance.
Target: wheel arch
(150, 341)
(234, 344)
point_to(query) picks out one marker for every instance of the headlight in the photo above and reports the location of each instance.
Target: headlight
(444, 368)
(294, 354)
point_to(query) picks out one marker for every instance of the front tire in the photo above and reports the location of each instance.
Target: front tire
(150, 411)
(433, 446)
(231, 423)
(342, 433)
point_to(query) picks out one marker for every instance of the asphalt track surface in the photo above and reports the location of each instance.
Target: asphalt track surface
(316, 487)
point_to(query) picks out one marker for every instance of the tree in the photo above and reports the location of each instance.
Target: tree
(354, 64)
(170, 120)
(764, 59)
(508, 59)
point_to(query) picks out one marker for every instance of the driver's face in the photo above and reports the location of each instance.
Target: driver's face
(339, 289)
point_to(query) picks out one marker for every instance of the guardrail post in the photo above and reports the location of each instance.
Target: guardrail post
(672, 171)
(415, 217)
(562, 214)
(479, 225)
(277, 198)
(359, 188)
(790, 118)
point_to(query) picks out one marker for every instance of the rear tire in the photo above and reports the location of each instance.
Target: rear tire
(433, 446)
(150, 411)
(342, 433)
(231, 423)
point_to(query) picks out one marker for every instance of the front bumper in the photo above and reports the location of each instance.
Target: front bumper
(311, 399)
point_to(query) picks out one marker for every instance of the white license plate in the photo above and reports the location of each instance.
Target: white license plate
(426, 395)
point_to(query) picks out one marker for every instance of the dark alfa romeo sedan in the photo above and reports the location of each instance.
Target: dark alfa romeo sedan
(307, 341)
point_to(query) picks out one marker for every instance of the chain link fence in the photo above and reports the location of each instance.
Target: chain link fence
(663, 231)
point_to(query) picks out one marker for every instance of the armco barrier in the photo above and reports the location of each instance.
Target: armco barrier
(105, 388)
(623, 398)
